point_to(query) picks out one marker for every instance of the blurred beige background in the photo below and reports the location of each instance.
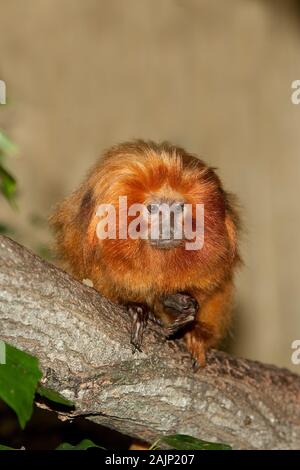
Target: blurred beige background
(212, 76)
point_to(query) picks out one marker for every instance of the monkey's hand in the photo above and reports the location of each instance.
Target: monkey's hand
(183, 306)
(139, 314)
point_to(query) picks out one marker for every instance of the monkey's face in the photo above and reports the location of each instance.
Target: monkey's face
(162, 192)
(165, 222)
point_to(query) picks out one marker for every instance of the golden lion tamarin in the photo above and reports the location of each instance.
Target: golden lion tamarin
(155, 277)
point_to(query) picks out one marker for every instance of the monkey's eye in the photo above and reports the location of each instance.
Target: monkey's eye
(153, 208)
(179, 207)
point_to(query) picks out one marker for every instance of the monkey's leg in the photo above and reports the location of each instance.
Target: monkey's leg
(184, 306)
(211, 323)
(139, 315)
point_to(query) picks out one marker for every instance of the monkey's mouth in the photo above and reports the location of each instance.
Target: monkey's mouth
(165, 243)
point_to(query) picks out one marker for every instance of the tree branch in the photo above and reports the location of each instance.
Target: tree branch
(82, 342)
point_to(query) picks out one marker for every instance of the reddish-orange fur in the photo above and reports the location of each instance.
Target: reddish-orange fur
(132, 270)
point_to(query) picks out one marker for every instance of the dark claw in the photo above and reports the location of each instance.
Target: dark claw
(195, 365)
(184, 306)
(154, 319)
(139, 314)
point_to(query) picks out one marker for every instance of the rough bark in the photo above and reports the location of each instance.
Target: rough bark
(82, 342)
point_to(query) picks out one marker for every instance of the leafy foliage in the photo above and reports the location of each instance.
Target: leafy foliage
(52, 395)
(185, 442)
(6, 145)
(8, 184)
(83, 445)
(5, 229)
(18, 381)
(2, 447)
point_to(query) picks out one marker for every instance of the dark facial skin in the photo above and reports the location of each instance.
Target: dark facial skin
(155, 208)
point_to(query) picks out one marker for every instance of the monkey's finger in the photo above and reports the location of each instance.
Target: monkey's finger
(139, 316)
(180, 302)
(137, 331)
(179, 323)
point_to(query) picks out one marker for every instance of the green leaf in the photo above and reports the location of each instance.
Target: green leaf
(185, 442)
(6, 229)
(2, 447)
(7, 181)
(45, 252)
(8, 184)
(6, 145)
(19, 377)
(54, 396)
(83, 445)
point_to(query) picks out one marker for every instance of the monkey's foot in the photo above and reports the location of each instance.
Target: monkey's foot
(139, 315)
(184, 306)
(198, 340)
